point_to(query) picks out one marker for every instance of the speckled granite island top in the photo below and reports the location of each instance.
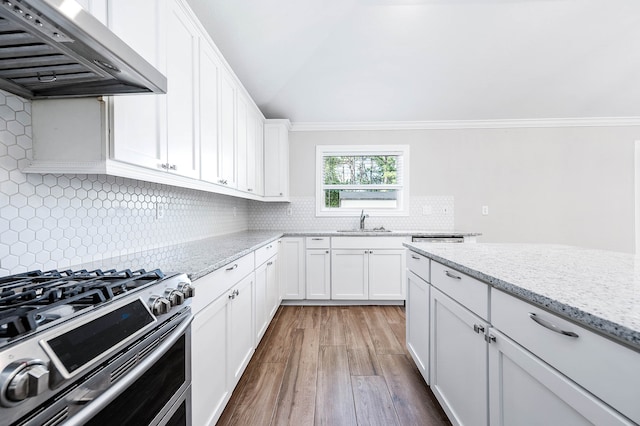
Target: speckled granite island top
(196, 258)
(596, 288)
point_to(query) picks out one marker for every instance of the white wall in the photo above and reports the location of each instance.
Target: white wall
(571, 185)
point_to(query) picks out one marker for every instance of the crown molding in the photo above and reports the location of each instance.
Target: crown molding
(466, 124)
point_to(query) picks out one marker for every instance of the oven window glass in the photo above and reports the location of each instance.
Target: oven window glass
(147, 396)
(179, 418)
(82, 344)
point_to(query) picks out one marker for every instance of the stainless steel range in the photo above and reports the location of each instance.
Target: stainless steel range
(95, 347)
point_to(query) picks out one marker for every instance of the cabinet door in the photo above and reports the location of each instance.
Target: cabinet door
(458, 362)
(292, 268)
(259, 155)
(387, 274)
(227, 141)
(241, 142)
(418, 322)
(261, 302)
(526, 391)
(318, 274)
(209, 76)
(182, 114)
(241, 324)
(250, 155)
(349, 274)
(276, 160)
(138, 122)
(273, 288)
(209, 363)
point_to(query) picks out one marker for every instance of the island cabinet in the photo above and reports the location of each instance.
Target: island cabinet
(525, 366)
(417, 328)
(223, 338)
(539, 360)
(418, 311)
(368, 268)
(458, 355)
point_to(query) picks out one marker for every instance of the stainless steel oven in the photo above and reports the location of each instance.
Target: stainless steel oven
(119, 355)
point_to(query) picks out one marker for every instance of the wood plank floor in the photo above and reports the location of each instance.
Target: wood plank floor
(333, 365)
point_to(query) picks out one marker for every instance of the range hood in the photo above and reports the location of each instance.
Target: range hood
(56, 49)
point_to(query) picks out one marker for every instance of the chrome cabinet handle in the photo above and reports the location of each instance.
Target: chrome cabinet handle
(551, 326)
(413, 256)
(235, 266)
(269, 263)
(450, 275)
(317, 239)
(173, 167)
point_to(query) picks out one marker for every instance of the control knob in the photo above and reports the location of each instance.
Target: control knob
(26, 379)
(176, 297)
(187, 289)
(159, 305)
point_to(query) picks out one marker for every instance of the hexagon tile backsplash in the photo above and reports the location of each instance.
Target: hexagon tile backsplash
(56, 221)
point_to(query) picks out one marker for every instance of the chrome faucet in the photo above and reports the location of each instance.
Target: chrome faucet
(362, 218)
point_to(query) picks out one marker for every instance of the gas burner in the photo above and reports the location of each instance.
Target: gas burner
(33, 299)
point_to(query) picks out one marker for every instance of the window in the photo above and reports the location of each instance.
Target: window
(355, 178)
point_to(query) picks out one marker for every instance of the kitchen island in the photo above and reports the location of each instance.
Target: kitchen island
(556, 326)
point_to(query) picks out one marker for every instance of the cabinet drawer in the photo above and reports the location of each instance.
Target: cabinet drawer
(265, 252)
(605, 368)
(419, 265)
(467, 291)
(211, 286)
(318, 242)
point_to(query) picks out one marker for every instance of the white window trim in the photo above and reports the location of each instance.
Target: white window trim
(322, 150)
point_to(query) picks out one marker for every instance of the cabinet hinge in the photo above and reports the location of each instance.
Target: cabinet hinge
(478, 328)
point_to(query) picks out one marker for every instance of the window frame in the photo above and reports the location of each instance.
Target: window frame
(363, 150)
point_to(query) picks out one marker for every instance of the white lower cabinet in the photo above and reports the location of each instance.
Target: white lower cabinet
(318, 272)
(458, 362)
(417, 314)
(526, 391)
(292, 268)
(210, 387)
(222, 345)
(349, 274)
(267, 291)
(528, 367)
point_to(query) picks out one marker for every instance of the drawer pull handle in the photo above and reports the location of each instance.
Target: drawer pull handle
(317, 239)
(235, 266)
(551, 326)
(413, 256)
(450, 275)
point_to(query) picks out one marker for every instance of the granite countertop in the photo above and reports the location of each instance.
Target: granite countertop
(196, 258)
(596, 288)
(374, 233)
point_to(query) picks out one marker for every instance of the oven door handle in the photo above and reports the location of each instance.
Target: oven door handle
(95, 406)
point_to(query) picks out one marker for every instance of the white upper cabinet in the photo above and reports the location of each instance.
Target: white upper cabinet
(183, 148)
(241, 143)
(206, 133)
(227, 143)
(276, 159)
(209, 114)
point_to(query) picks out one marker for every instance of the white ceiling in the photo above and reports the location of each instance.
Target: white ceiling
(424, 60)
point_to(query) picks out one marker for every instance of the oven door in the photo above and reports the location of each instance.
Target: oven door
(156, 392)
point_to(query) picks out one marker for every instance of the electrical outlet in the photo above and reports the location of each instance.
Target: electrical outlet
(159, 211)
(485, 210)
(426, 210)
(235, 211)
(289, 211)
